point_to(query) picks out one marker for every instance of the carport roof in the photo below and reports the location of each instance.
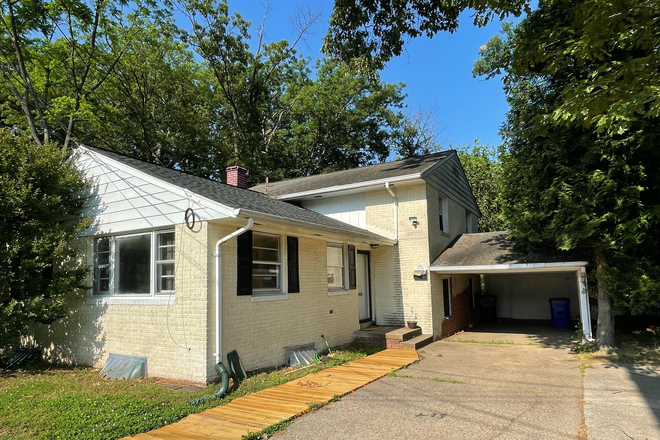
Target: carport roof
(494, 252)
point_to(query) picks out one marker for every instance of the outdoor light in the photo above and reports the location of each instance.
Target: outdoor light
(373, 245)
(414, 221)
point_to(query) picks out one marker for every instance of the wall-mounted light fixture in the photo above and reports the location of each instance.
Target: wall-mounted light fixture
(414, 221)
(373, 245)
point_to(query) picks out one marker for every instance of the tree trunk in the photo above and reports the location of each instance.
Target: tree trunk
(605, 325)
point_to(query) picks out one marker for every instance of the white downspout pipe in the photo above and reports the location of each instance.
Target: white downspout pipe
(218, 287)
(396, 211)
(585, 308)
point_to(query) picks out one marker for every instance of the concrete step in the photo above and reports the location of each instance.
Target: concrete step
(417, 342)
(403, 333)
(366, 324)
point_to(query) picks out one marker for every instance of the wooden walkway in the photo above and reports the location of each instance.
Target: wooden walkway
(259, 410)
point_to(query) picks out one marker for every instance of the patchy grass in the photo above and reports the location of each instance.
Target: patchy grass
(433, 379)
(639, 346)
(491, 342)
(46, 402)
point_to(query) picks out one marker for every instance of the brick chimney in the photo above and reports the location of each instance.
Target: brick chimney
(237, 176)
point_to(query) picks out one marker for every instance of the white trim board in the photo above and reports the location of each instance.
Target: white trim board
(512, 268)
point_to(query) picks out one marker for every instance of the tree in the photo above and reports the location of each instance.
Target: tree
(599, 32)
(376, 30)
(41, 188)
(278, 116)
(484, 172)
(568, 184)
(55, 54)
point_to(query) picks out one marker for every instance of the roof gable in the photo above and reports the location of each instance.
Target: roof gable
(449, 178)
(219, 200)
(402, 169)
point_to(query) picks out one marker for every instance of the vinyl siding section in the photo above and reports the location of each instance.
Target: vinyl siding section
(449, 179)
(123, 199)
(522, 296)
(348, 209)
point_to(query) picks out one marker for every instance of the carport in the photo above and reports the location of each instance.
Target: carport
(522, 283)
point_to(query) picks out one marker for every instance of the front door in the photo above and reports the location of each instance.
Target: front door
(363, 286)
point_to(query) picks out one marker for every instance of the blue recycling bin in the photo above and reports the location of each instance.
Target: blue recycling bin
(560, 310)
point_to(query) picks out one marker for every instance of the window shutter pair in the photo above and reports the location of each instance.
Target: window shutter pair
(352, 269)
(244, 257)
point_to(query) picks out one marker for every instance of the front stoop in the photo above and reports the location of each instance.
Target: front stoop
(418, 342)
(391, 337)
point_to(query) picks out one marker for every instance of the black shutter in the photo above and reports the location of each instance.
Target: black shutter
(352, 271)
(244, 281)
(292, 264)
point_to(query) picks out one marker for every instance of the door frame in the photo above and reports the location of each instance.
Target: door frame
(369, 297)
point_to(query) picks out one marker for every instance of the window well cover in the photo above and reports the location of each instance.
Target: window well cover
(120, 366)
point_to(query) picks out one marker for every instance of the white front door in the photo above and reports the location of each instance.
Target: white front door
(363, 288)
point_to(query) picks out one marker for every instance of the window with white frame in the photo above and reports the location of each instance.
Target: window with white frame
(136, 264)
(266, 262)
(468, 222)
(446, 296)
(442, 214)
(335, 266)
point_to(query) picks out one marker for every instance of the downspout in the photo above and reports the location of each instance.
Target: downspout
(396, 211)
(218, 287)
(585, 308)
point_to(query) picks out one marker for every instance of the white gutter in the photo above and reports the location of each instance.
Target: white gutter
(529, 267)
(218, 287)
(396, 211)
(349, 186)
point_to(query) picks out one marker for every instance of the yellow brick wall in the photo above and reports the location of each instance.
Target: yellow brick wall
(396, 293)
(172, 337)
(259, 331)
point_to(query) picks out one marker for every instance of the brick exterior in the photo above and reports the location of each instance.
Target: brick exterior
(259, 331)
(462, 311)
(398, 296)
(237, 176)
(172, 337)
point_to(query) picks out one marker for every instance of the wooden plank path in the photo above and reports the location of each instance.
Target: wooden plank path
(264, 408)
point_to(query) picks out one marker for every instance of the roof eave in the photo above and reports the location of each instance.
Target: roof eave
(366, 237)
(349, 186)
(512, 268)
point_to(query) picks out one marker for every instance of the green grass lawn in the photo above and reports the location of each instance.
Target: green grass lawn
(75, 403)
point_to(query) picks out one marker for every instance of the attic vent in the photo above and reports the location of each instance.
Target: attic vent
(120, 366)
(454, 171)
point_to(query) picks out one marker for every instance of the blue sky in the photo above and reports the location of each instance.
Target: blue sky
(437, 72)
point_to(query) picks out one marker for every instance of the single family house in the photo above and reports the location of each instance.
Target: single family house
(185, 269)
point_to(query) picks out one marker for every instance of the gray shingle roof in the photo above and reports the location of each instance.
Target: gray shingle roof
(413, 165)
(491, 248)
(238, 198)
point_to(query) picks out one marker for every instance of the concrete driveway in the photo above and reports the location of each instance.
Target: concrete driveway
(498, 383)
(462, 390)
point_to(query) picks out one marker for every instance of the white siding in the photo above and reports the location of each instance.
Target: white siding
(124, 199)
(348, 209)
(525, 296)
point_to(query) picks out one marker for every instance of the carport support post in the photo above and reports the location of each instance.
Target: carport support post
(585, 309)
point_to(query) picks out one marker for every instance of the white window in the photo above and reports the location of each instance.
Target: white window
(446, 297)
(138, 264)
(468, 222)
(335, 266)
(266, 262)
(443, 215)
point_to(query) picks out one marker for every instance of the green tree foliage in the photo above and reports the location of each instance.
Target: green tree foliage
(568, 184)
(40, 187)
(54, 55)
(484, 172)
(377, 30)
(279, 117)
